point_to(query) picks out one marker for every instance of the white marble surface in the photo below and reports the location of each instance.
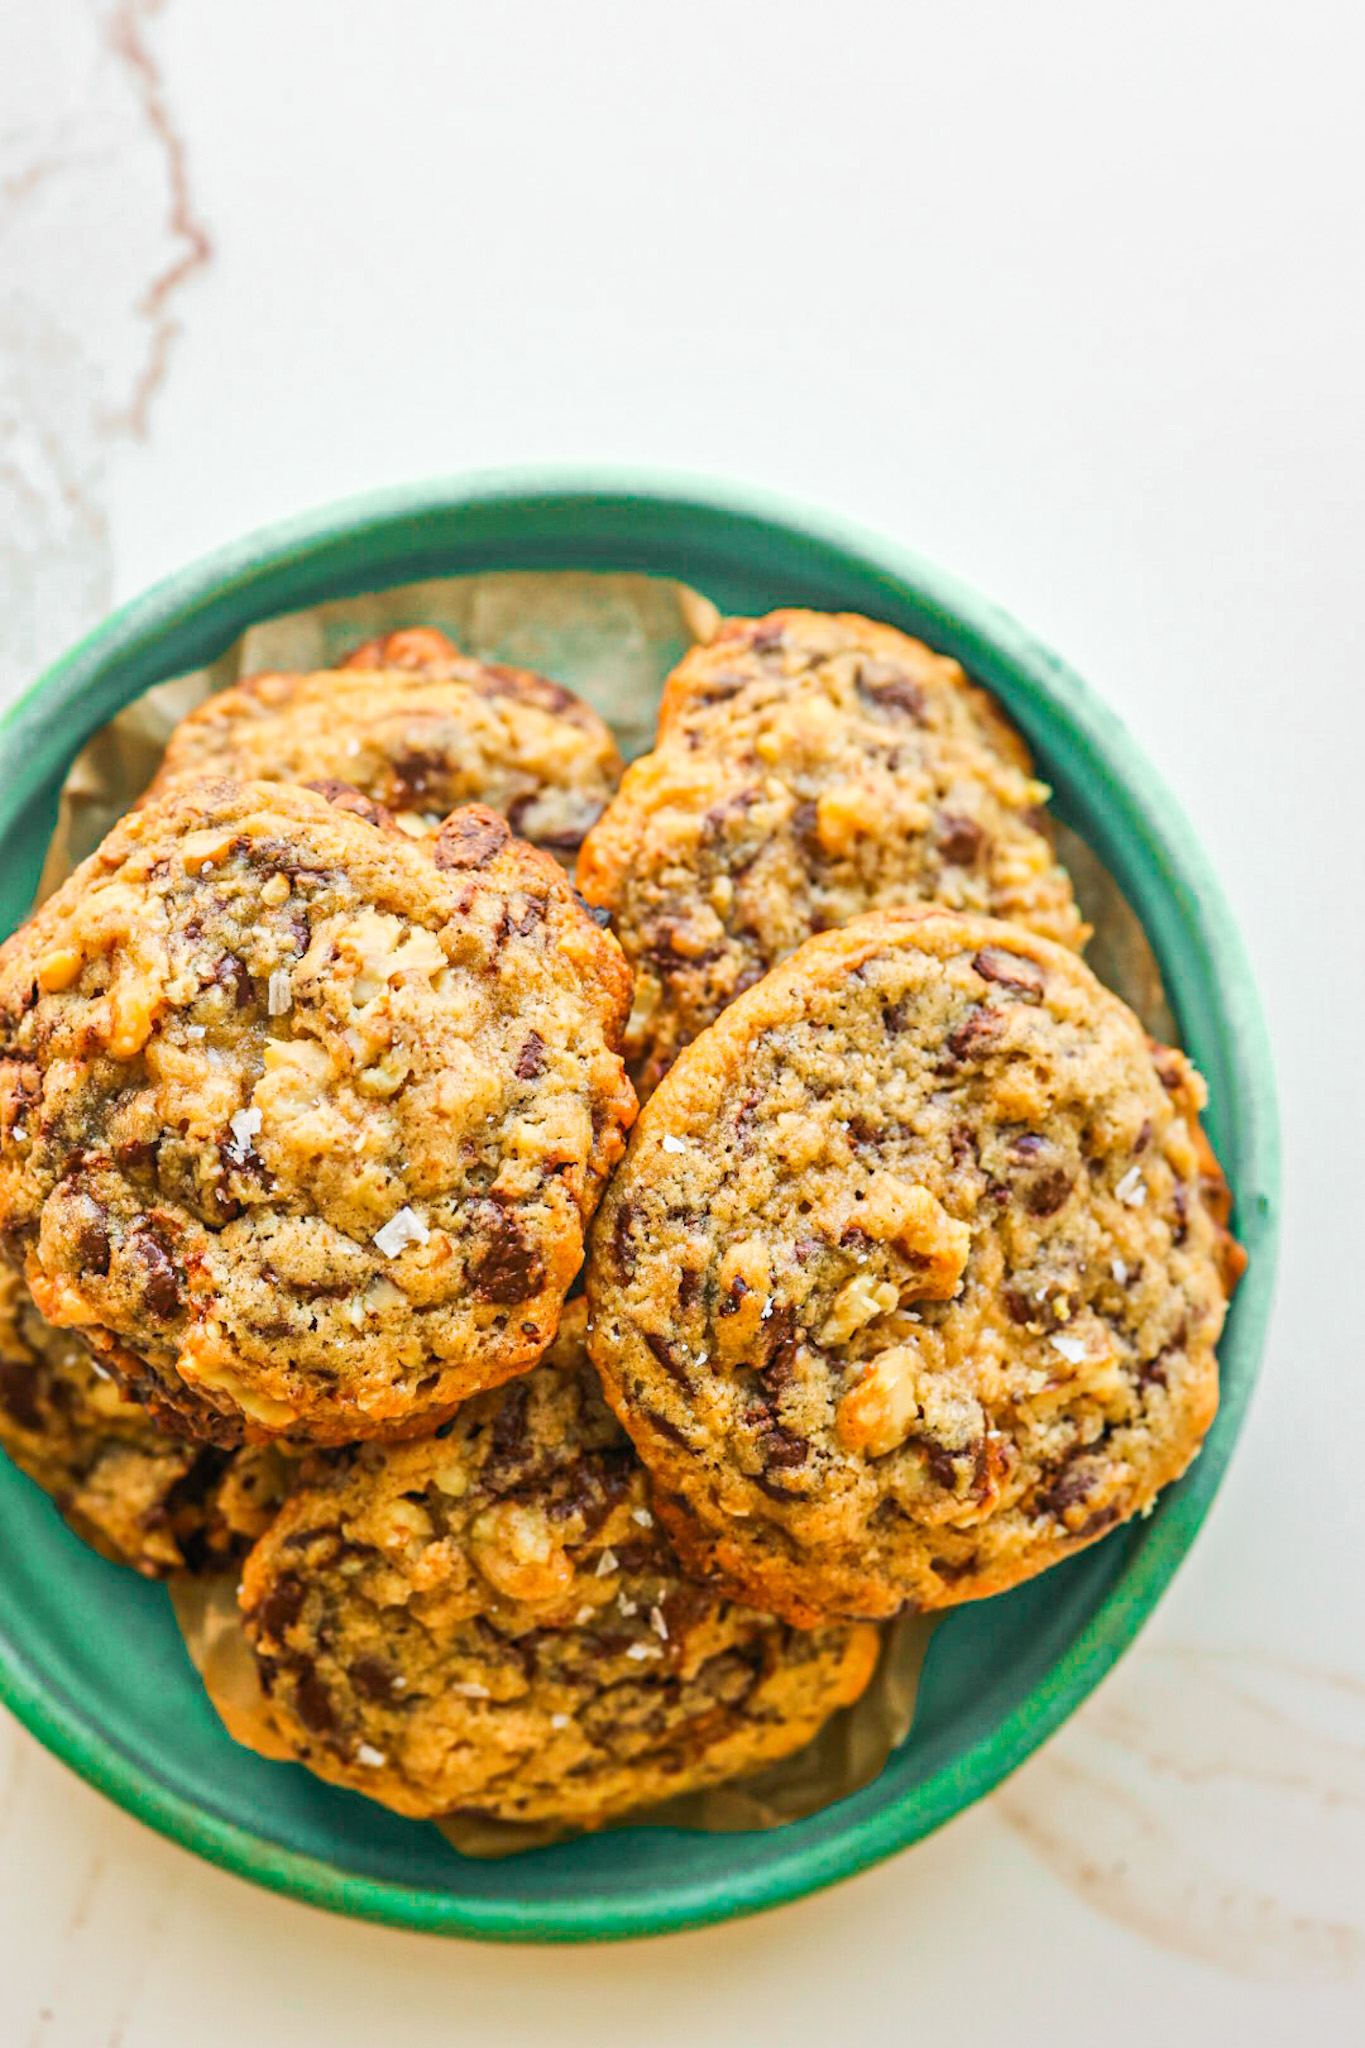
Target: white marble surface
(1067, 297)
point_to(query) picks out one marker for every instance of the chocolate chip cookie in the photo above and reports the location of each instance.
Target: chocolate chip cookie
(910, 1283)
(809, 768)
(301, 1120)
(490, 1621)
(155, 1502)
(420, 728)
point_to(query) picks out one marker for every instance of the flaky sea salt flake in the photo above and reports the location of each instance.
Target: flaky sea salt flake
(672, 1144)
(279, 993)
(401, 1230)
(1072, 1349)
(1132, 1189)
(367, 1754)
(244, 1123)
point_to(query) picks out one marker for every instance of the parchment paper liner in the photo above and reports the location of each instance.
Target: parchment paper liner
(613, 639)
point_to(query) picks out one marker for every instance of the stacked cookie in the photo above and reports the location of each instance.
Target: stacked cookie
(313, 1078)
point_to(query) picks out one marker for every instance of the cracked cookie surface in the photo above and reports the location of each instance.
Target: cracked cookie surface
(420, 728)
(910, 1283)
(808, 768)
(491, 1621)
(154, 1502)
(301, 1120)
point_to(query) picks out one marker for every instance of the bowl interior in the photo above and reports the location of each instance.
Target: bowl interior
(90, 1657)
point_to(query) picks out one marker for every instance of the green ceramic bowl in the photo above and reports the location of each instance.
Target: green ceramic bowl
(90, 1658)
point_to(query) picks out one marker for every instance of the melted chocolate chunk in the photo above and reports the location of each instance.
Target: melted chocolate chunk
(510, 1270)
(162, 1286)
(471, 838)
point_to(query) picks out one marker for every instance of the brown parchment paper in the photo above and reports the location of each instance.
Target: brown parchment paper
(613, 639)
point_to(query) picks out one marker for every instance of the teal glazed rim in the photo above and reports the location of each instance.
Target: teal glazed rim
(1001, 1676)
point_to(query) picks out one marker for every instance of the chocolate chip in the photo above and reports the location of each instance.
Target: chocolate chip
(313, 1704)
(689, 1287)
(18, 1394)
(668, 1358)
(282, 1605)
(598, 912)
(471, 838)
(372, 1680)
(509, 1424)
(531, 1058)
(419, 774)
(529, 912)
(1077, 1477)
(622, 1251)
(887, 691)
(1019, 1307)
(766, 634)
(974, 1035)
(962, 1143)
(1152, 1371)
(1027, 1145)
(782, 1448)
(951, 1571)
(941, 1461)
(1144, 1136)
(1181, 1198)
(1045, 1195)
(162, 1287)
(343, 796)
(777, 1340)
(92, 1237)
(496, 679)
(665, 1428)
(716, 689)
(1011, 970)
(806, 826)
(137, 1155)
(959, 839)
(232, 977)
(510, 1269)
(775, 1490)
